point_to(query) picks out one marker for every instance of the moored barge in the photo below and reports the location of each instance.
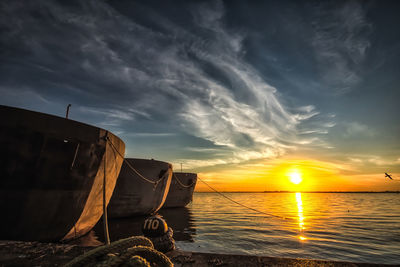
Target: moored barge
(142, 188)
(52, 175)
(181, 190)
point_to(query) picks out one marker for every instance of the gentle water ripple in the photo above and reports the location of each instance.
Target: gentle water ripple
(329, 226)
(350, 227)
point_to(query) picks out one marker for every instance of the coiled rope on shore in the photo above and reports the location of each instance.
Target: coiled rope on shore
(137, 250)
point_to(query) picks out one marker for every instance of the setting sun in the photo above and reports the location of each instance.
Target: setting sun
(295, 177)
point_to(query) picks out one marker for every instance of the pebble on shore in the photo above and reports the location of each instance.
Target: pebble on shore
(19, 253)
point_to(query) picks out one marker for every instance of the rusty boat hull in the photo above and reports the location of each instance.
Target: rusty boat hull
(52, 175)
(181, 190)
(141, 189)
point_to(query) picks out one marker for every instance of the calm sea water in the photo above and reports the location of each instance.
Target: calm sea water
(359, 227)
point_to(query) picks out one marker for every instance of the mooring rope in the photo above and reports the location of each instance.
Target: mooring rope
(155, 183)
(105, 218)
(126, 249)
(245, 206)
(182, 184)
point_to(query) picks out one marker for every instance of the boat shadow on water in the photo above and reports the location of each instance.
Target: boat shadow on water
(179, 219)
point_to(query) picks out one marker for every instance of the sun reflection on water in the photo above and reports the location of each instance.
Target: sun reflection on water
(300, 216)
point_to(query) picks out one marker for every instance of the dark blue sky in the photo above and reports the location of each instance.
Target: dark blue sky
(215, 84)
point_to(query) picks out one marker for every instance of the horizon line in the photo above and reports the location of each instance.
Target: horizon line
(284, 191)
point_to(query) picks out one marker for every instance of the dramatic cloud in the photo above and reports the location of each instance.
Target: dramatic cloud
(121, 70)
(205, 84)
(341, 39)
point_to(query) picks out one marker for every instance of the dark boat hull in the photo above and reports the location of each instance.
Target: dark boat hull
(181, 192)
(135, 196)
(52, 173)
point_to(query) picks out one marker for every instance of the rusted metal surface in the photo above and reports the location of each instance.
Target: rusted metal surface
(51, 175)
(181, 192)
(133, 195)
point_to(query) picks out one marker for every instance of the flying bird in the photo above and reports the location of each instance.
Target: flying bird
(388, 176)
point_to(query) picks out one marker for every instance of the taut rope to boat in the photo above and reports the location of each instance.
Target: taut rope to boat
(136, 171)
(182, 184)
(240, 204)
(105, 218)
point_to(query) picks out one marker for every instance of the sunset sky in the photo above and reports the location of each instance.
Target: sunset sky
(248, 94)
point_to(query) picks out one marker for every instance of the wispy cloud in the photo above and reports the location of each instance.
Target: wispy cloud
(341, 40)
(194, 76)
(202, 149)
(377, 160)
(356, 129)
(22, 93)
(110, 118)
(150, 135)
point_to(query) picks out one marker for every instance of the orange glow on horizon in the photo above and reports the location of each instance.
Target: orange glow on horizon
(292, 175)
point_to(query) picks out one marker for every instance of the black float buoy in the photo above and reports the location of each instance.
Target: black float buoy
(156, 229)
(154, 226)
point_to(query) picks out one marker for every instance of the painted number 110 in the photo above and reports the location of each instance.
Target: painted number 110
(151, 224)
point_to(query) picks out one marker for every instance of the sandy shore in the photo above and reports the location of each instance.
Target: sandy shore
(184, 258)
(17, 253)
